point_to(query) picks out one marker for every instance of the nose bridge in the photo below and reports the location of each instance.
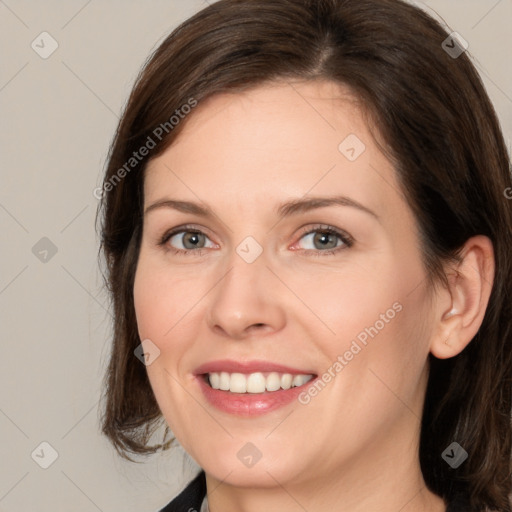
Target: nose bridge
(241, 299)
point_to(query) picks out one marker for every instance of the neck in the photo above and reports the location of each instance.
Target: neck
(333, 496)
(386, 477)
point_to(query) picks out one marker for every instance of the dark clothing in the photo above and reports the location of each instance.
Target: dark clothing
(190, 498)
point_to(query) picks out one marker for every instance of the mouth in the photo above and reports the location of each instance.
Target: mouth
(251, 388)
(255, 383)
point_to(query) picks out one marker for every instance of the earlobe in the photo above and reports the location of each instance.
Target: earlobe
(461, 308)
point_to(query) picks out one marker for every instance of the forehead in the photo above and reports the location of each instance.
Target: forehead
(272, 142)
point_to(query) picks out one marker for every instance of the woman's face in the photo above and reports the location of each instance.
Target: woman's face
(264, 284)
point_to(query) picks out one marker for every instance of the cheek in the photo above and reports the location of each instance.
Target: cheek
(354, 298)
(163, 305)
(162, 298)
(378, 316)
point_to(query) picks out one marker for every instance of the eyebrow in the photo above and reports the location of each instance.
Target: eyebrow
(286, 209)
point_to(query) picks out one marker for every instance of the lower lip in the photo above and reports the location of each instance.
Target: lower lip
(250, 404)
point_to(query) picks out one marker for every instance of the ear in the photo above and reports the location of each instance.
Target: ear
(461, 307)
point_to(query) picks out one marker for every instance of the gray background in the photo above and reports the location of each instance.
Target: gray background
(58, 116)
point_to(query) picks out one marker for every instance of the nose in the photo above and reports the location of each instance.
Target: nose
(246, 301)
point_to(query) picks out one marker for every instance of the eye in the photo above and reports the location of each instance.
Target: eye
(185, 240)
(326, 240)
(188, 240)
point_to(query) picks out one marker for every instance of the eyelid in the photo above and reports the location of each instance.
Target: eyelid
(347, 239)
(184, 228)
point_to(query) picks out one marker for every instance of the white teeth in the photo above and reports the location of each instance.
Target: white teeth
(215, 380)
(238, 383)
(223, 381)
(298, 380)
(273, 382)
(255, 382)
(286, 381)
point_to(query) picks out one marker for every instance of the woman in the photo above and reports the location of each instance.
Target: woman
(307, 232)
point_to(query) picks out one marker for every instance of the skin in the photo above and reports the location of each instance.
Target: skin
(354, 446)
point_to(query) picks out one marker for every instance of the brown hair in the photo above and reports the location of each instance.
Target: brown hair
(443, 137)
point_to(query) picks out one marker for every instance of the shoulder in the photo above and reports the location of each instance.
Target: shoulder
(191, 498)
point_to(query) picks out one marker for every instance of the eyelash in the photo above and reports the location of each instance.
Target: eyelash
(347, 240)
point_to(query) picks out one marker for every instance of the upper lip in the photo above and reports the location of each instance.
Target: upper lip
(230, 366)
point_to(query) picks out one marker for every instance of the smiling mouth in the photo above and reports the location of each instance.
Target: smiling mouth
(258, 382)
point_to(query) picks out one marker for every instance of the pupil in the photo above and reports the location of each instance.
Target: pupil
(192, 236)
(324, 239)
